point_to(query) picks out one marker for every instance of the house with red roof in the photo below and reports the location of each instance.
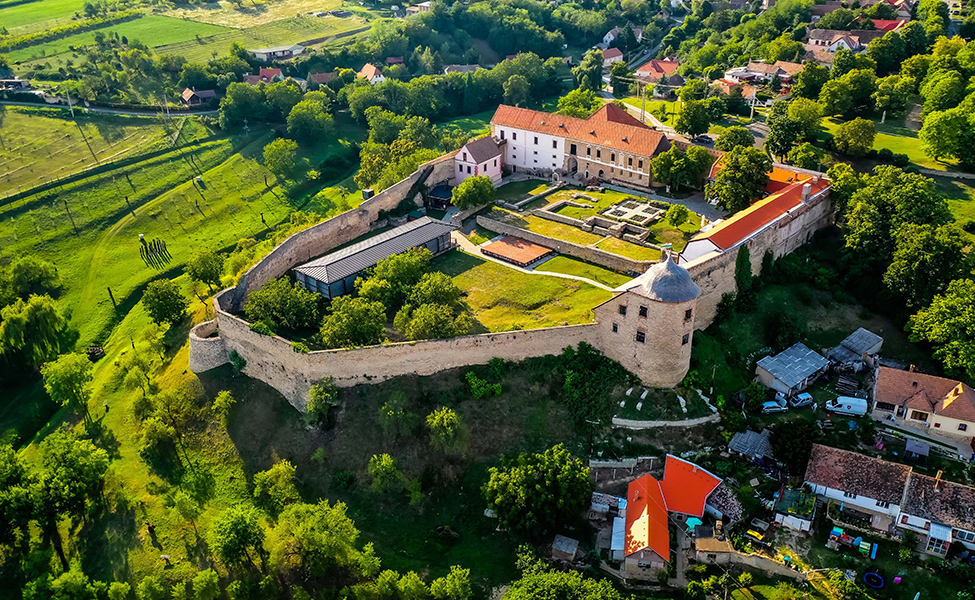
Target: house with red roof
(371, 73)
(654, 69)
(684, 489)
(264, 76)
(935, 405)
(612, 55)
(610, 145)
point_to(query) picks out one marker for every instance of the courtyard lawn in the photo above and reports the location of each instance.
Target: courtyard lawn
(573, 266)
(961, 200)
(504, 299)
(662, 232)
(41, 144)
(624, 248)
(479, 235)
(545, 227)
(519, 190)
(603, 201)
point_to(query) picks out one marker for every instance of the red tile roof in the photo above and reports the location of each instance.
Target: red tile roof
(656, 68)
(369, 71)
(646, 518)
(743, 224)
(322, 77)
(269, 74)
(938, 395)
(686, 486)
(610, 126)
(611, 53)
(888, 24)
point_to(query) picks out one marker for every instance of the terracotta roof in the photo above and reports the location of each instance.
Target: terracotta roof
(686, 486)
(269, 74)
(202, 94)
(646, 518)
(760, 67)
(887, 25)
(482, 149)
(857, 474)
(744, 223)
(941, 501)
(656, 68)
(818, 54)
(611, 53)
(610, 126)
(323, 77)
(938, 395)
(790, 68)
(369, 71)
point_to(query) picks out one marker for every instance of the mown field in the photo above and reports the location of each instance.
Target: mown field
(38, 145)
(228, 14)
(26, 17)
(151, 30)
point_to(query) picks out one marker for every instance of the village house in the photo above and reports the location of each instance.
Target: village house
(613, 34)
(612, 55)
(759, 71)
(888, 25)
(322, 78)
(856, 347)
(861, 487)
(792, 370)
(832, 40)
(394, 60)
(278, 52)
(482, 156)
(652, 70)
(194, 97)
(936, 405)
(821, 10)
(416, 9)
(460, 68)
(940, 512)
(371, 73)
(901, 7)
(264, 76)
(610, 145)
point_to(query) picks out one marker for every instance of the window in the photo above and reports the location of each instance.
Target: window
(484, 167)
(643, 312)
(612, 157)
(849, 495)
(919, 416)
(535, 152)
(616, 327)
(536, 140)
(937, 546)
(937, 425)
(465, 157)
(460, 168)
(514, 135)
(883, 504)
(962, 427)
(468, 170)
(641, 164)
(555, 144)
(502, 134)
(495, 162)
(641, 337)
(684, 340)
(885, 406)
(687, 314)
(965, 535)
(903, 519)
(588, 151)
(572, 148)
(623, 309)
(599, 153)
(629, 161)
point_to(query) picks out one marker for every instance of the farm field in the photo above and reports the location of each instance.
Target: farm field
(228, 14)
(151, 30)
(32, 16)
(41, 144)
(504, 299)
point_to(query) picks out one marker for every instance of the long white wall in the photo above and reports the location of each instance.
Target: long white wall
(530, 150)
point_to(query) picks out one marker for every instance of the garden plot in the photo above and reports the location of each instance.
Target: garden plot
(634, 211)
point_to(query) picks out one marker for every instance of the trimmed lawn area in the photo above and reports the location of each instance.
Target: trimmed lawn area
(603, 201)
(519, 190)
(545, 227)
(662, 232)
(479, 235)
(624, 248)
(573, 266)
(898, 144)
(504, 299)
(476, 124)
(961, 200)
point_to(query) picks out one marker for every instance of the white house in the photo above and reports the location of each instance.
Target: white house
(372, 73)
(612, 55)
(482, 156)
(278, 52)
(863, 486)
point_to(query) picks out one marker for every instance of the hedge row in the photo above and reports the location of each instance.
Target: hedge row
(55, 33)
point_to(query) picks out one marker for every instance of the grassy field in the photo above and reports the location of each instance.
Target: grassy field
(624, 248)
(39, 145)
(519, 190)
(898, 144)
(545, 227)
(573, 266)
(961, 199)
(476, 124)
(151, 30)
(39, 14)
(254, 13)
(504, 299)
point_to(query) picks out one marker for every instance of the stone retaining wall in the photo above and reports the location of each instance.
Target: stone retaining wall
(634, 424)
(207, 350)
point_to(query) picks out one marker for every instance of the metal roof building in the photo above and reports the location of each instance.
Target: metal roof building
(334, 274)
(791, 370)
(752, 444)
(858, 343)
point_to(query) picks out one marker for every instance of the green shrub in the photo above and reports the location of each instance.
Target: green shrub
(481, 388)
(300, 348)
(262, 328)
(344, 480)
(497, 368)
(237, 361)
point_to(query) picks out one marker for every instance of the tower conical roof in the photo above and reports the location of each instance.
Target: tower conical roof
(665, 281)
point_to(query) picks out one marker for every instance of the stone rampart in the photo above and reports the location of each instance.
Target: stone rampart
(554, 216)
(593, 255)
(272, 360)
(207, 349)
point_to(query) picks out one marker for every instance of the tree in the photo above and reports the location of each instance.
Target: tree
(384, 472)
(206, 267)
(792, 442)
(394, 419)
(435, 288)
(694, 89)
(279, 303)
(742, 178)
(119, 590)
(186, 507)
(540, 582)
(242, 101)
(808, 113)
(150, 588)
(206, 585)
(744, 279)
(222, 404)
(516, 90)
(283, 96)
(447, 431)
(31, 330)
(394, 277)
(887, 52)
(926, 259)
(677, 215)
(309, 123)
(354, 322)
(620, 77)
(236, 533)
(949, 133)
(579, 103)
(783, 134)
(733, 136)
(476, 190)
(275, 488)
(845, 182)
(321, 398)
(949, 325)
(841, 18)
(806, 156)
(942, 90)
(693, 119)
(836, 97)
(810, 81)
(536, 493)
(432, 321)
(588, 75)
(319, 541)
(28, 276)
(855, 137)
(165, 302)
(67, 381)
(281, 157)
(455, 586)
(745, 580)
(894, 93)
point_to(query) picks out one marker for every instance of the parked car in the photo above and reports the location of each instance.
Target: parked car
(803, 399)
(703, 139)
(774, 407)
(848, 405)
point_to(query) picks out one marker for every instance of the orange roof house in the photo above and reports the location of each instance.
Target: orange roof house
(646, 519)
(927, 399)
(656, 69)
(686, 486)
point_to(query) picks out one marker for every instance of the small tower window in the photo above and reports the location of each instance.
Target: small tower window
(641, 337)
(685, 339)
(687, 314)
(643, 312)
(623, 309)
(616, 328)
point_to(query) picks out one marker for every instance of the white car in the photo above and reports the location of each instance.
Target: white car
(774, 407)
(803, 399)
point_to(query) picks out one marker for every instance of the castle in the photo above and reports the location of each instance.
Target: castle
(647, 326)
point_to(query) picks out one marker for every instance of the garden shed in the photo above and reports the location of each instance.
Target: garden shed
(791, 370)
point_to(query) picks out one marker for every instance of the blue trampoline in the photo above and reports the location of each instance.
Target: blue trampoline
(873, 580)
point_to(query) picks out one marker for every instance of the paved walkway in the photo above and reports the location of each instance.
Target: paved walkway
(467, 246)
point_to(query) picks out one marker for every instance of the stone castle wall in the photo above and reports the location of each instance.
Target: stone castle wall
(207, 349)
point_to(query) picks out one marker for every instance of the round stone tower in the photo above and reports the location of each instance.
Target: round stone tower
(648, 326)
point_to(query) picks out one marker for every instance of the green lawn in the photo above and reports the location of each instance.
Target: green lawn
(41, 144)
(898, 144)
(624, 248)
(476, 125)
(961, 200)
(519, 190)
(479, 235)
(38, 14)
(504, 299)
(573, 266)
(545, 227)
(151, 30)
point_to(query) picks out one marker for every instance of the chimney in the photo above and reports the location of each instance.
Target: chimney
(910, 369)
(806, 191)
(937, 481)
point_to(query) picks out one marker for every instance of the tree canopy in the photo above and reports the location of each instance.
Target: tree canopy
(164, 302)
(476, 190)
(742, 178)
(949, 325)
